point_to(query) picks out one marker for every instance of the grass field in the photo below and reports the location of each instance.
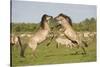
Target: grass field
(53, 55)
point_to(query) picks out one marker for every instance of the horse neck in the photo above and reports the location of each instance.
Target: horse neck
(46, 26)
(66, 25)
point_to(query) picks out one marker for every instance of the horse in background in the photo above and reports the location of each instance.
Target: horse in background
(38, 37)
(14, 40)
(64, 41)
(69, 32)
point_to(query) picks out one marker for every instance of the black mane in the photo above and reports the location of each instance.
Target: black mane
(42, 21)
(67, 18)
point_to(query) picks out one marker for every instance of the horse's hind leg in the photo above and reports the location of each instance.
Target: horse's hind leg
(83, 48)
(23, 50)
(86, 45)
(75, 48)
(50, 40)
(57, 45)
(75, 51)
(22, 47)
(22, 53)
(48, 43)
(84, 52)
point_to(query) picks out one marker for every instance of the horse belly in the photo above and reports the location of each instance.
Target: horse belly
(32, 44)
(39, 39)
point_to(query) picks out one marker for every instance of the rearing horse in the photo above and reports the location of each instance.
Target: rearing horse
(69, 32)
(40, 35)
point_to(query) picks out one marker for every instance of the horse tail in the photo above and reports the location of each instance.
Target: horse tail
(21, 47)
(85, 44)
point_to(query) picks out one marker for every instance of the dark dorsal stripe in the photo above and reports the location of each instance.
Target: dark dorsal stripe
(67, 18)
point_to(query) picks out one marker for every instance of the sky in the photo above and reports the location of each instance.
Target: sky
(30, 11)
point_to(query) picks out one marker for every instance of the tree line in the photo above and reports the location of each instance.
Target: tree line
(85, 25)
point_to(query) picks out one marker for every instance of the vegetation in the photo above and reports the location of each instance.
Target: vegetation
(86, 25)
(51, 54)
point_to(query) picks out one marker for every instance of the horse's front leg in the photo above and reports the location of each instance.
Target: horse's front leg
(75, 49)
(50, 40)
(48, 43)
(83, 48)
(57, 45)
(22, 47)
(33, 46)
(84, 52)
(22, 51)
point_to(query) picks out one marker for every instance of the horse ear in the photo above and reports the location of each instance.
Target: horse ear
(61, 14)
(43, 17)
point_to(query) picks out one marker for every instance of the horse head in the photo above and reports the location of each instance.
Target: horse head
(45, 19)
(59, 19)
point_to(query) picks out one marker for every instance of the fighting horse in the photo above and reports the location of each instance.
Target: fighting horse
(38, 37)
(66, 22)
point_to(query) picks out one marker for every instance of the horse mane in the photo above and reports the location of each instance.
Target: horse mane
(42, 21)
(67, 18)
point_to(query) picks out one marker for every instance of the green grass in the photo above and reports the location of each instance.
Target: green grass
(53, 55)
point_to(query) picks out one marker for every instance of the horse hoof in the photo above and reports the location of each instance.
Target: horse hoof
(22, 56)
(76, 53)
(83, 53)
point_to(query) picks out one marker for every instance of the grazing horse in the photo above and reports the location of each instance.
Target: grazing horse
(64, 41)
(39, 36)
(69, 32)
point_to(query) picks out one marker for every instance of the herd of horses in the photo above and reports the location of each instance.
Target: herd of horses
(68, 36)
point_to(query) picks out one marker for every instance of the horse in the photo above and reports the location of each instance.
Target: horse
(26, 35)
(38, 37)
(13, 40)
(66, 22)
(64, 41)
